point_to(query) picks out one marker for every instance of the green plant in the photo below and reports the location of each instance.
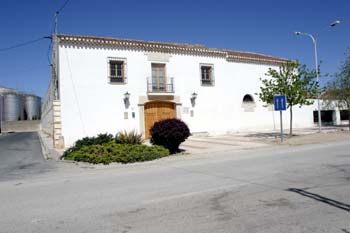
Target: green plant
(169, 133)
(338, 89)
(132, 137)
(292, 80)
(113, 152)
(88, 141)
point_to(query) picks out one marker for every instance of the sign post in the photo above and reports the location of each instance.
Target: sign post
(280, 105)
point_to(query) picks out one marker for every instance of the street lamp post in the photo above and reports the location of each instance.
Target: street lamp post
(1, 111)
(316, 70)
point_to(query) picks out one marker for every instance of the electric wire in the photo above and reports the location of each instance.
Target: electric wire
(48, 53)
(22, 44)
(36, 40)
(62, 7)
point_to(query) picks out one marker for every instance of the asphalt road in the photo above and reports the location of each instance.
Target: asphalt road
(281, 189)
(21, 156)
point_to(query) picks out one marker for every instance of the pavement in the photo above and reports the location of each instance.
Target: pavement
(248, 140)
(267, 189)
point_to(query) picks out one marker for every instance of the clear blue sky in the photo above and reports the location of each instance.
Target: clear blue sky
(255, 25)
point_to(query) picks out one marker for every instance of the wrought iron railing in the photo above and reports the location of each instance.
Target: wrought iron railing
(160, 85)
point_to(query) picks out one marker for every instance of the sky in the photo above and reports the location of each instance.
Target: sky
(246, 25)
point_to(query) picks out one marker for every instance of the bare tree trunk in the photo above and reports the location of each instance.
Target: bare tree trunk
(291, 121)
(349, 116)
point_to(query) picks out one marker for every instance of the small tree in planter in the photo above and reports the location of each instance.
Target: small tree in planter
(169, 133)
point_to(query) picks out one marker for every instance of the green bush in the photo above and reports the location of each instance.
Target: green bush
(169, 133)
(88, 141)
(132, 137)
(113, 152)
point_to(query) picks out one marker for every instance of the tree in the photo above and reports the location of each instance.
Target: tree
(338, 89)
(292, 80)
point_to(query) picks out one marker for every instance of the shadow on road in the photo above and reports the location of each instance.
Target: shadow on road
(267, 135)
(320, 198)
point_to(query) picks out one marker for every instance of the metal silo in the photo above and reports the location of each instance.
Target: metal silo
(12, 107)
(32, 106)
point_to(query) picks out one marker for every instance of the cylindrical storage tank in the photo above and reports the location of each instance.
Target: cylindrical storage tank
(12, 107)
(32, 106)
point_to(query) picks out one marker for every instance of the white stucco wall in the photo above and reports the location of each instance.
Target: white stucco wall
(91, 105)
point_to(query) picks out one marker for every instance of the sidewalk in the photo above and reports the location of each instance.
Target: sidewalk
(199, 144)
(239, 141)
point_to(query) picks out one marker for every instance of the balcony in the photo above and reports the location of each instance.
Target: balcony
(160, 86)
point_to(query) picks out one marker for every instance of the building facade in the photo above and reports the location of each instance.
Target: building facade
(108, 85)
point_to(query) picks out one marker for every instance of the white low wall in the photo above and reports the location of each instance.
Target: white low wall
(20, 126)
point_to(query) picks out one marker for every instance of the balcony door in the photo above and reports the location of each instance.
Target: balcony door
(158, 77)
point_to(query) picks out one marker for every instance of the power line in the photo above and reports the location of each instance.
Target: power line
(56, 16)
(62, 7)
(23, 44)
(48, 53)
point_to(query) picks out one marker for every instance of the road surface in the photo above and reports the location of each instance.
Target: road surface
(21, 156)
(280, 189)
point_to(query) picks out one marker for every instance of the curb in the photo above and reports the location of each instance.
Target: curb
(44, 150)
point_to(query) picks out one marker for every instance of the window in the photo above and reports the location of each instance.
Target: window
(207, 75)
(117, 70)
(326, 117)
(248, 99)
(248, 103)
(344, 115)
(158, 77)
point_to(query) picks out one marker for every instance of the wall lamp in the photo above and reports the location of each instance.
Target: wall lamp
(127, 99)
(193, 98)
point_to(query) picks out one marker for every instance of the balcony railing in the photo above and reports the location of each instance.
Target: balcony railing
(160, 85)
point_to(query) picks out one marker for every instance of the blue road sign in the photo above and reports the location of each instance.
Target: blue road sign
(280, 102)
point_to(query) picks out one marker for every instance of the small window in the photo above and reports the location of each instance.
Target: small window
(248, 99)
(248, 103)
(207, 75)
(117, 71)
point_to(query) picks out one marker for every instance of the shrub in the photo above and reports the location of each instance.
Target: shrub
(169, 133)
(132, 137)
(113, 152)
(88, 141)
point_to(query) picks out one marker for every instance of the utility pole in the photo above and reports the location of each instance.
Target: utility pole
(55, 58)
(1, 112)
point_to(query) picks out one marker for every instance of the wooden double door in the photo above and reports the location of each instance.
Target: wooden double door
(156, 111)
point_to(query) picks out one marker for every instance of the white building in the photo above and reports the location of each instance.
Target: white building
(212, 90)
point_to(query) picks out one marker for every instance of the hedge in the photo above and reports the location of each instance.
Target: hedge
(112, 152)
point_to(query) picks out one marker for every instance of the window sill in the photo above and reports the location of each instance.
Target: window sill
(118, 81)
(207, 84)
